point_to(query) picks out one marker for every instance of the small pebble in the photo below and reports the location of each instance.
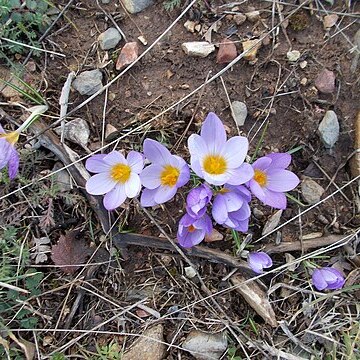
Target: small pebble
(190, 26)
(253, 16)
(329, 129)
(330, 20)
(239, 112)
(129, 53)
(303, 64)
(311, 191)
(293, 55)
(325, 81)
(109, 38)
(227, 52)
(88, 82)
(251, 55)
(198, 48)
(135, 6)
(239, 19)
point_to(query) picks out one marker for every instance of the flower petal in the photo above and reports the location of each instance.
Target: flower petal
(189, 239)
(100, 184)
(184, 176)
(233, 201)
(196, 167)
(96, 164)
(150, 176)
(115, 197)
(279, 160)
(133, 186)
(157, 153)
(197, 146)
(213, 133)
(13, 164)
(241, 175)
(219, 210)
(2, 131)
(318, 279)
(5, 152)
(262, 163)
(135, 161)
(164, 194)
(220, 179)
(115, 157)
(148, 198)
(281, 180)
(276, 200)
(235, 151)
(257, 190)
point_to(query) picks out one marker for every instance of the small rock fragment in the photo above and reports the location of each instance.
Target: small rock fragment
(190, 272)
(253, 16)
(293, 55)
(128, 54)
(149, 347)
(76, 131)
(88, 82)
(254, 45)
(303, 81)
(135, 6)
(272, 222)
(214, 236)
(325, 81)
(205, 346)
(142, 40)
(330, 20)
(109, 38)
(111, 132)
(190, 26)
(303, 64)
(198, 48)
(239, 19)
(329, 129)
(311, 191)
(239, 112)
(227, 52)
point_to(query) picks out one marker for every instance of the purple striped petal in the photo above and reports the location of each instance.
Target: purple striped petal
(133, 186)
(213, 133)
(158, 153)
(241, 175)
(151, 176)
(235, 151)
(148, 198)
(135, 161)
(13, 165)
(115, 197)
(164, 194)
(197, 146)
(114, 158)
(100, 184)
(276, 200)
(219, 210)
(262, 164)
(279, 160)
(96, 164)
(281, 180)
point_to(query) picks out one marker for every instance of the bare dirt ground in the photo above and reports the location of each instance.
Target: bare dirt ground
(125, 289)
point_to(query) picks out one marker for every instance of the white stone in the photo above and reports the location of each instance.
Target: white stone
(311, 191)
(239, 112)
(198, 48)
(329, 129)
(293, 55)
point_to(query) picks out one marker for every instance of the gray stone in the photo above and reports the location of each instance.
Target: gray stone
(329, 129)
(272, 222)
(105, 1)
(205, 346)
(109, 38)
(239, 112)
(311, 191)
(198, 48)
(88, 82)
(135, 6)
(76, 131)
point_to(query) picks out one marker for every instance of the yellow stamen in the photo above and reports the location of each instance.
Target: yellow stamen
(120, 173)
(11, 137)
(260, 177)
(223, 191)
(215, 164)
(169, 176)
(191, 228)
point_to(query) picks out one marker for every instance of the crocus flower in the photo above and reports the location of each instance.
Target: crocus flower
(258, 261)
(164, 176)
(192, 231)
(231, 207)
(271, 180)
(8, 154)
(197, 200)
(117, 177)
(217, 160)
(327, 278)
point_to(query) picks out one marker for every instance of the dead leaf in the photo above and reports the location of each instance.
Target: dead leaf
(272, 222)
(70, 252)
(214, 236)
(26, 346)
(214, 27)
(40, 250)
(256, 297)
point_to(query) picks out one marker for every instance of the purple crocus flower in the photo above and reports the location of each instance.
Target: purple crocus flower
(231, 207)
(258, 261)
(327, 278)
(217, 160)
(197, 200)
(117, 177)
(192, 231)
(164, 176)
(271, 180)
(8, 154)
